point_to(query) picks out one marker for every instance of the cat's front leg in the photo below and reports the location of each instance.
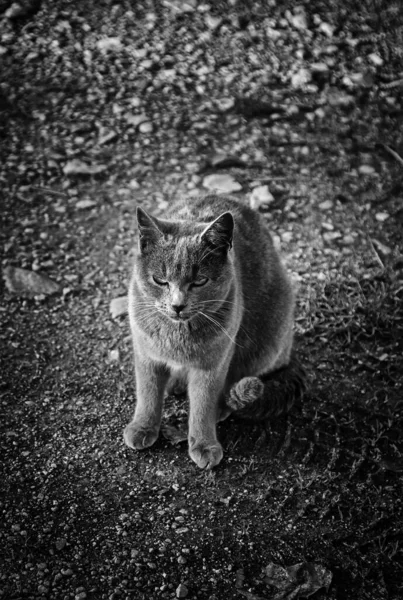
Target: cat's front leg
(151, 379)
(205, 389)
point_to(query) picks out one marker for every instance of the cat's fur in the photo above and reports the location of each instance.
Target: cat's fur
(227, 338)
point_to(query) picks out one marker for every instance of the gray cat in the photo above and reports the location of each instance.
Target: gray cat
(211, 305)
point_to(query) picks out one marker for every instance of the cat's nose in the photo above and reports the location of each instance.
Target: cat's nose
(178, 308)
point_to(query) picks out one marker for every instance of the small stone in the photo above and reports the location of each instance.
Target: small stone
(382, 216)
(319, 68)
(106, 137)
(80, 596)
(79, 167)
(366, 170)
(375, 59)
(114, 355)
(330, 236)
(134, 184)
(326, 205)
(181, 591)
(301, 78)
(60, 543)
(110, 44)
(118, 307)
(135, 120)
(327, 29)
(225, 104)
(146, 127)
(85, 204)
(212, 22)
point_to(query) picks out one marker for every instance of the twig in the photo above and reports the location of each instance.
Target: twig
(49, 191)
(395, 155)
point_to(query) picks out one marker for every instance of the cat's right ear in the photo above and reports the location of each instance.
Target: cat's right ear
(148, 229)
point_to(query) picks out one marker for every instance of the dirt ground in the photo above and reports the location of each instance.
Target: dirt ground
(298, 108)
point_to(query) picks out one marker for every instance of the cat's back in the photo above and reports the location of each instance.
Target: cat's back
(249, 226)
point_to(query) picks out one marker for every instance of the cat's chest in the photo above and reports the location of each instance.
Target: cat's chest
(177, 345)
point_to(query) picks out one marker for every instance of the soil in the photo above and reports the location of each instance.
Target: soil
(109, 105)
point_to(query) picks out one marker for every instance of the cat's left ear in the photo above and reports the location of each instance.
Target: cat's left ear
(149, 229)
(219, 233)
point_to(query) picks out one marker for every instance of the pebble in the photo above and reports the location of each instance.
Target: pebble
(382, 216)
(366, 170)
(146, 127)
(181, 591)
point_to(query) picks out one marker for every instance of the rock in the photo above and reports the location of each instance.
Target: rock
(118, 307)
(301, 78)
(60, 543)
(224, 161)
(221, 183)
(225, 104)
(212, 22)
(181, 591)
(146, 127)
(110, 44)
(85, 204)
(79, 167)
(136, 120)
(366, 170)
(337, 98)
(114, 355)
(327, 29)
(260, 197)
(330, 236)
(382, 216)
(106, 137)
(375, 59)
(29, 284)
(297, 20)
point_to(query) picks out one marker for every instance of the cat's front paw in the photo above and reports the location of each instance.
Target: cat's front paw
(140, 437)
(206, 455)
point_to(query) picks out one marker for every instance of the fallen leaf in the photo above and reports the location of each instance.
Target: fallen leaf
(118, 307)
(260, 197)
(221, 183)
(298, 581)
(27, 283)
(79, 167)
(173, 434)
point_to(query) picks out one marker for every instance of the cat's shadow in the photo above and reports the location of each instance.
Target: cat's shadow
(244, 437)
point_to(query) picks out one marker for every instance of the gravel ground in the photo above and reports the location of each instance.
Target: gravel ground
(295, 107)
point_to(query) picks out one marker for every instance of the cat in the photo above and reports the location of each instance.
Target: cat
(210, 304)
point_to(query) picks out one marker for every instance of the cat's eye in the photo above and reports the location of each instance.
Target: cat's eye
(200, 281)
(159, 281)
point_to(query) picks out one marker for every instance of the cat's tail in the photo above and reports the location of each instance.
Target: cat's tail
(269, 395)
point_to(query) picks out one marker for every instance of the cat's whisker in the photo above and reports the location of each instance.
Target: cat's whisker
(215, 322)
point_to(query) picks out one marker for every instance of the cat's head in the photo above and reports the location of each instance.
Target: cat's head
(183, 268)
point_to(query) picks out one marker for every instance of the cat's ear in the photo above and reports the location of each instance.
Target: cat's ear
(149, 229)
(219, 233)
